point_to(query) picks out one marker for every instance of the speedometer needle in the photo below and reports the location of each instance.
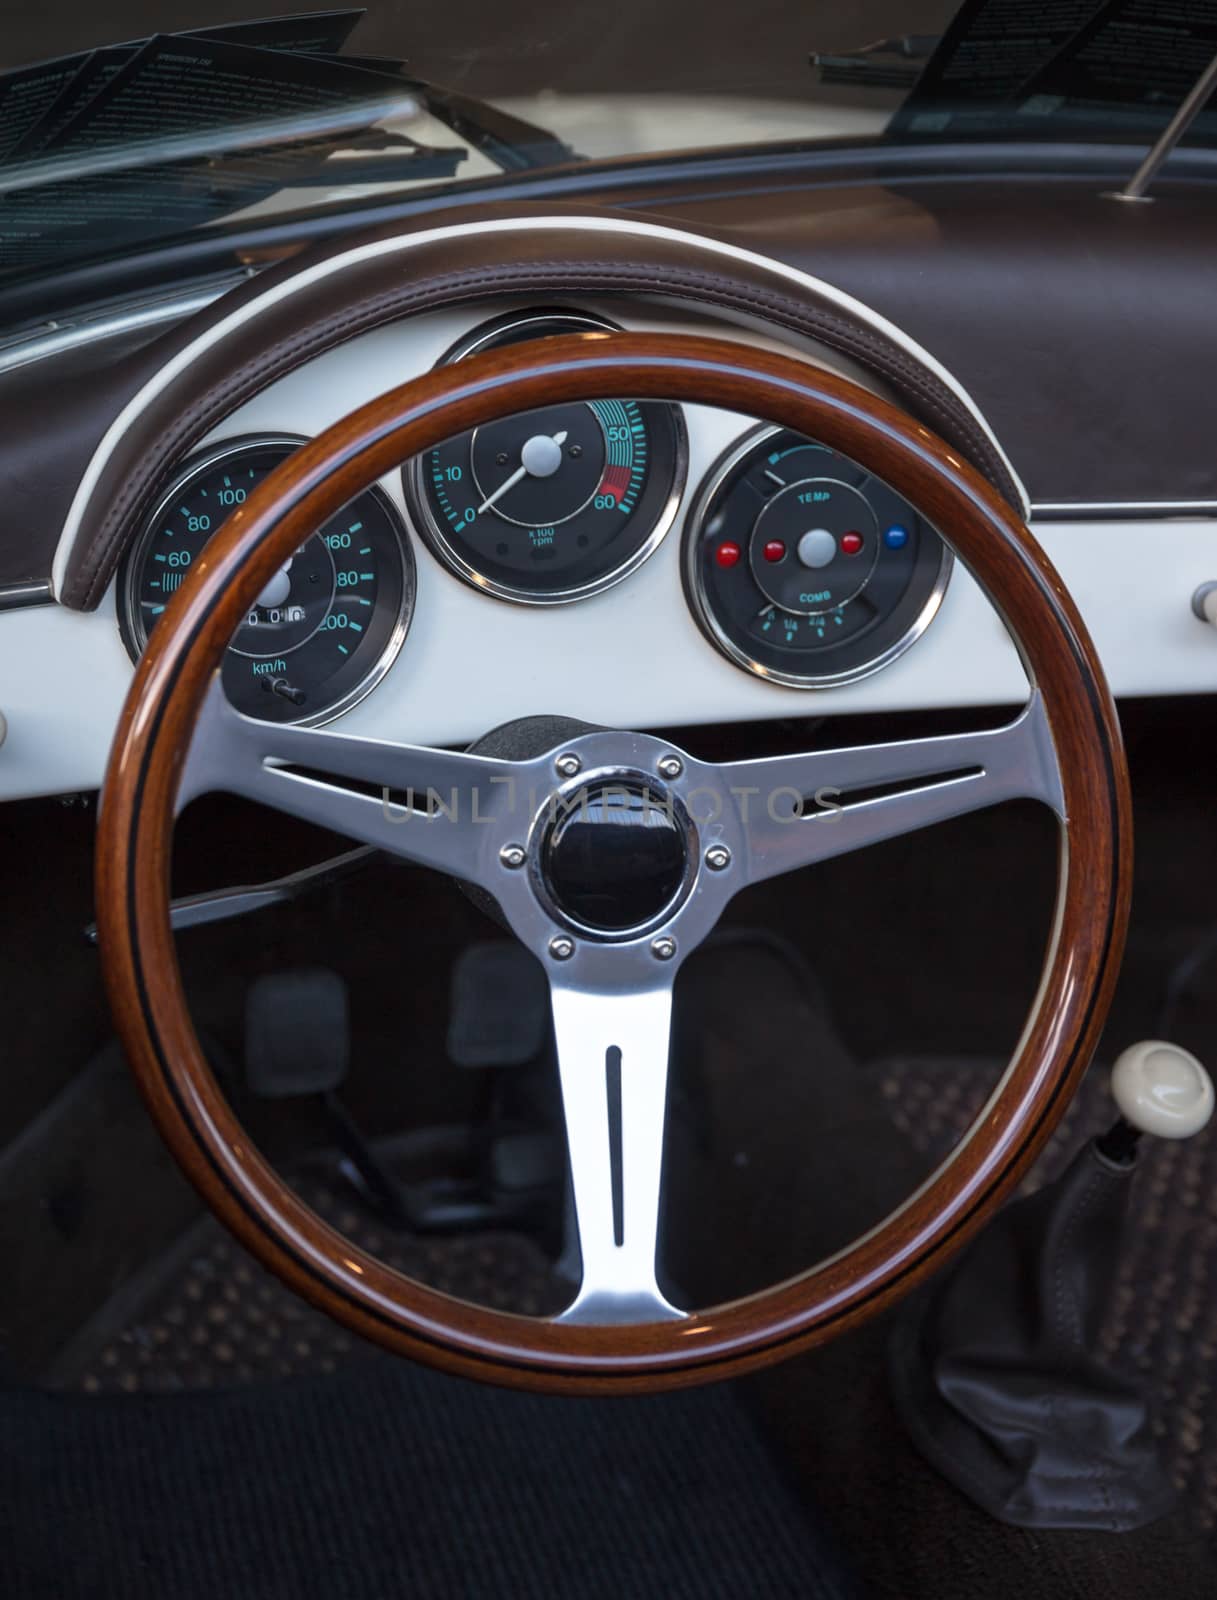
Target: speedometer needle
(540, 458)
(278, 587)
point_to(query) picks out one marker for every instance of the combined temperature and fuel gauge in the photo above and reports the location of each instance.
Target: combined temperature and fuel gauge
(803, 568)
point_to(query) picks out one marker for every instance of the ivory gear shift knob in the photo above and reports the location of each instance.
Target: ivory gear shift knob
(1162, 1090)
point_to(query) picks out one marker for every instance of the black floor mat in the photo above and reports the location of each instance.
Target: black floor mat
(207, 1315)
(388, 1481)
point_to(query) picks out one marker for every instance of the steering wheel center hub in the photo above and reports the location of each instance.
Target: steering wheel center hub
(614, 853)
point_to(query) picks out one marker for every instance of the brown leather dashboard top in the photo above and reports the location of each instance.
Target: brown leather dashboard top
(377, 287)
(1083, 330)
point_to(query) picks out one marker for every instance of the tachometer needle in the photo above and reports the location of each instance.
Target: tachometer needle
(540, 458)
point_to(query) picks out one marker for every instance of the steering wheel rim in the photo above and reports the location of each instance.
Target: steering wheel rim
(153, 772)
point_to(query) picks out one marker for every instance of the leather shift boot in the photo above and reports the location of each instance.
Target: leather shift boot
(996, 1375)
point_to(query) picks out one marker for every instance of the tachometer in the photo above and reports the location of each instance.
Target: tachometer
(551, 505)
(327, 624)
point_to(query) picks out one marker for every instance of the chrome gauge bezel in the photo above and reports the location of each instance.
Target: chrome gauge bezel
(722, 640)
(130, 621)
(436, 539)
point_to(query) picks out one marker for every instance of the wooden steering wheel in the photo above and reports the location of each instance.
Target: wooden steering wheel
(611, 994)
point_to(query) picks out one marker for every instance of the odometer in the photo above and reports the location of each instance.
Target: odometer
(327, 624)
(555, 504)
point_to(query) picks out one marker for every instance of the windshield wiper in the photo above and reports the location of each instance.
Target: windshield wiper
(335, 125)
(885, 64)
(509, 141)
(373, 156)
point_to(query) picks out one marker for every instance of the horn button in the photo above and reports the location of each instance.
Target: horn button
(615, 855)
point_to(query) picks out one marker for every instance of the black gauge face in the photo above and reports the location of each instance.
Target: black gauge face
(325, 627)
(554, 504)
(803, 568)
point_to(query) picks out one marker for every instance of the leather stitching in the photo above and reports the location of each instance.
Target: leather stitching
(926, 395)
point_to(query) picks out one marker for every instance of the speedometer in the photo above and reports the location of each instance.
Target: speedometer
(327, 624)
(551, 505)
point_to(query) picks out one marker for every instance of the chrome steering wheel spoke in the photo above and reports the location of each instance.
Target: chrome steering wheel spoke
(799, 809)
(438, 808)
(613, 1066)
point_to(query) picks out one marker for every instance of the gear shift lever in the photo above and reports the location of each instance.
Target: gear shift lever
(995, 1370)
(1158, 1089)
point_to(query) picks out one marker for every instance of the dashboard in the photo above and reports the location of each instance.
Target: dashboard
(798, 565)
(628, 563)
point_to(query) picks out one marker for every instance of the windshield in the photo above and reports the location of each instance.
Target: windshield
(114, 136)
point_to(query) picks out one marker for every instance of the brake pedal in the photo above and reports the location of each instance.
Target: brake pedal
(500, 1007)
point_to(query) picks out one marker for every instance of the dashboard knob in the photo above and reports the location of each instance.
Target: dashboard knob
(1204, 603)
(1162, 1090)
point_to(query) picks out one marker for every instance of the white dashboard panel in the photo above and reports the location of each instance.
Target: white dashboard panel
(630, 657)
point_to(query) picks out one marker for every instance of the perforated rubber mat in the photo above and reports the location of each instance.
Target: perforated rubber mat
(209, 1316)
(1163, 1318)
